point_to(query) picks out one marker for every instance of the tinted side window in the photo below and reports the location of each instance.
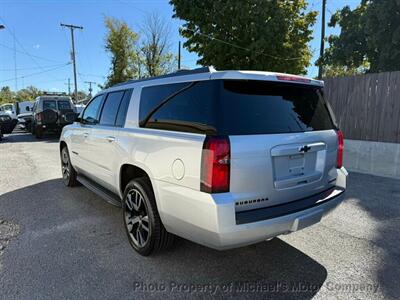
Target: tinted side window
(123, 107)
(90, 115)
(191, 110)
(110, 108)
(153, 95)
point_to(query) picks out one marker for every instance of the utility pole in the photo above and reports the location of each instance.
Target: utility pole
(15, 63)
(69, 86)
(72, 27)
(321, 49)
(179, 55)
(90, 87)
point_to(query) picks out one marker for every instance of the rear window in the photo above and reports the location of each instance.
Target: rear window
(49, 104)
(235, 107)
(64, 104)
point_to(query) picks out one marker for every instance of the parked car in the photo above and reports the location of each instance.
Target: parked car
(7, 124)
(25, 121)
(221, 158)
(51, 113)
(14, 109)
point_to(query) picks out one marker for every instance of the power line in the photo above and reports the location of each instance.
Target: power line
(37, 73)
(91, 75)
(243, 48)
(12, 32)
(31, 68)
(38, 57)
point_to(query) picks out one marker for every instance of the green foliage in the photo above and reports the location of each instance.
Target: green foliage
(81, 95)
(6, 95)
(121, 42)
(27, 94)
(135, 57)
(370, 34)
(156, 58)
(340, 71)
(248, 34)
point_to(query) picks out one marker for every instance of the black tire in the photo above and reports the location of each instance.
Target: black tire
(155, 238)
(39, 132)
(67, 171)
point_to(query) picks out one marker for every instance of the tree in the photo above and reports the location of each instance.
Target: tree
(248, 34)
(121, 43)
(6, 95)
(370, 35)
(339, 71)
(82, 95)
(157, 59)
(28, 93)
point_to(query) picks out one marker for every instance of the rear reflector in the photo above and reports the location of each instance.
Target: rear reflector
(292, 78)
(339, 158)
(215, 165)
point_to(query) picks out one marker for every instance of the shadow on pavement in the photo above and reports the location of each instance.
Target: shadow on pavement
(19, 136)
(72, 244)
(380, 199)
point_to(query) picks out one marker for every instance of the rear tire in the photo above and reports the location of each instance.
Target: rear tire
(68, 172)
(142, 223)
(39, 132)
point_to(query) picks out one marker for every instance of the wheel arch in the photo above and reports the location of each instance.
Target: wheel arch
(127, 172)
(62, 145)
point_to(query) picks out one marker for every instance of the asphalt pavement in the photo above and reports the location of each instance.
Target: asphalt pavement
(58, 242)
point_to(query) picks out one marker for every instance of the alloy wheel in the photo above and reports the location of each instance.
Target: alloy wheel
(65, 165)
(137, 218)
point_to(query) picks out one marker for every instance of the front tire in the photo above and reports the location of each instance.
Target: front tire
(143, 225)
(68, 172)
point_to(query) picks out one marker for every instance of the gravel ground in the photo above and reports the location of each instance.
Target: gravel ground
(66, 242)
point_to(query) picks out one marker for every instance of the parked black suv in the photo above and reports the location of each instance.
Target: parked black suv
(51, 114)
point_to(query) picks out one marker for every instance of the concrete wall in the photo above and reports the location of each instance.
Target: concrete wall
(376, 158)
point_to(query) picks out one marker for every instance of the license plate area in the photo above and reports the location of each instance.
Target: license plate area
(293, 166)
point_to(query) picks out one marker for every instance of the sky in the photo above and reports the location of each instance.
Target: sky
(43, 46)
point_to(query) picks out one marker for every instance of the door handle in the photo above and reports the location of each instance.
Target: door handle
(110, 139)
(85, 135)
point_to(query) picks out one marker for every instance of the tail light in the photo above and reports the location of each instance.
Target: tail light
(215, 165)
(339, 158)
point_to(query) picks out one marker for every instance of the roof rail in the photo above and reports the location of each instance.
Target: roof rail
(179, 72)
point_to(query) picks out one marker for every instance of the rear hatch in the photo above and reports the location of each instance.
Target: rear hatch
(283, 142)
(64, 108)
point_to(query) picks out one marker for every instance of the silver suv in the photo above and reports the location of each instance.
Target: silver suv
(221, 158)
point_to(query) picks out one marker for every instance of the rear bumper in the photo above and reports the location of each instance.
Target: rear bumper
(213, 222)
(51, 126)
